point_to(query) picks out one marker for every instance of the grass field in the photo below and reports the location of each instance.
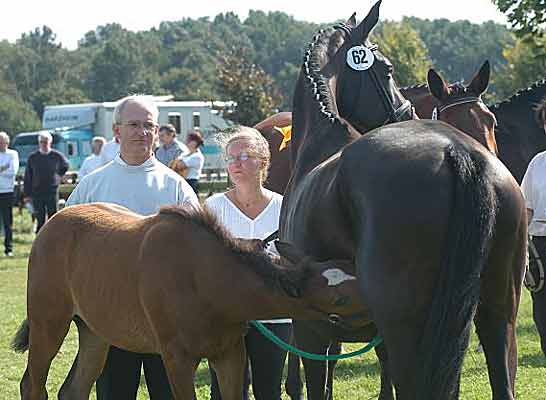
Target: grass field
(355, 379)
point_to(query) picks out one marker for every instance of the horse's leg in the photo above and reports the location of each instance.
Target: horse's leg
(496, 314)
(539, 315)
(335, 348)
(386, 392)
(315, 371)
(230, 371)
(293, 384)
(87, 366)
(45, 338)
(180, 371)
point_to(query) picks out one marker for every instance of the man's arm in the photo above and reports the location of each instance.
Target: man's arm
(27, 185)
(63, 165)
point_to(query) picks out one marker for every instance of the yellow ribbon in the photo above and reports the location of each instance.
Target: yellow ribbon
(286, 133)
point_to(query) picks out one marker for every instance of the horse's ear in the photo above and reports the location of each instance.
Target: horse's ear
(367, 24)
(290, 252)
(436, 85)
(481, 79)
(351, 21)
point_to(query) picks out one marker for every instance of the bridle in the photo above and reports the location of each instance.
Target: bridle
(464, 100)
(403, 112)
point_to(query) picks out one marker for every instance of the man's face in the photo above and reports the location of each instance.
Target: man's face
(3, 144)
(166, 137)
(97, 146)
(136, 132)
(45, 144)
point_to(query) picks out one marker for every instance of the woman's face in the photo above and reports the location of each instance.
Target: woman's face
(243, 166)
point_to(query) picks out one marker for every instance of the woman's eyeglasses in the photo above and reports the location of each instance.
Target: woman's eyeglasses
(244, 156)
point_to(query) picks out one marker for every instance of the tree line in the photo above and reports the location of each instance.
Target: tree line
(254, 61)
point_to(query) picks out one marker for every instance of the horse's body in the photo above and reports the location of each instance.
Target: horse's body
(145, 284)
(433, 220)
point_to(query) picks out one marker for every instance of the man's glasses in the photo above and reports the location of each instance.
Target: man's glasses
(241, 157)
(147, 127)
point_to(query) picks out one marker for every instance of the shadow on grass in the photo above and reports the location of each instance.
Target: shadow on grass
(533, 360)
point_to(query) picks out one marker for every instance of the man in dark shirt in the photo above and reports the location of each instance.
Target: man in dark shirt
(43, 174)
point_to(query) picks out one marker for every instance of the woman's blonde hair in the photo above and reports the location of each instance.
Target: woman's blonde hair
(257, 144)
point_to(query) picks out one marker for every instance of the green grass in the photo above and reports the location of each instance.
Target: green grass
(355, 379)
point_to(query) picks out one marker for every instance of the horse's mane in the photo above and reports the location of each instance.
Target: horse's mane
(521, 95)
(315, 81)
(255, 258)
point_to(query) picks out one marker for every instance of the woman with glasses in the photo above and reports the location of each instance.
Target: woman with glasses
(250, 211)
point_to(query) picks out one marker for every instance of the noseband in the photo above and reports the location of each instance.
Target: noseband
(403, 112)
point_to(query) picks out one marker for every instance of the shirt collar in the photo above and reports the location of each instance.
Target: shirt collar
(148, 163)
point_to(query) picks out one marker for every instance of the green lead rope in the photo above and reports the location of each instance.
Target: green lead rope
(319, 357)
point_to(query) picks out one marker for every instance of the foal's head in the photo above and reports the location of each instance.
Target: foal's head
(328, 287)
(461, 106)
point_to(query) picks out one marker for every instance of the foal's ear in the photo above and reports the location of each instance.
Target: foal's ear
(290, 252)
(363, 30)
(436, 85)
(481, 79)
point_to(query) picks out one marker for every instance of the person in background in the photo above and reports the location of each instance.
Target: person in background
(43, 173)
(136, 180)
(9, 165)
(170, 148)
(192, 162)
(93, 161)
(250, 211)
(109, 151)
(534, 191)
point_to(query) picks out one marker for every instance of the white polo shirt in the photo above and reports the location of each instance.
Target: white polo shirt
(534, 191)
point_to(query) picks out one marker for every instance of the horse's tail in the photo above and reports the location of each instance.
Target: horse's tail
(447, 329)
(20, 340)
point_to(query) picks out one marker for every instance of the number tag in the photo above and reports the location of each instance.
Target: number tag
(360, 58)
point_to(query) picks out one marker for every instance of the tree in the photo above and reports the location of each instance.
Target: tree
(524, 66)
(406, 51)
(249, 87)
(526, 16)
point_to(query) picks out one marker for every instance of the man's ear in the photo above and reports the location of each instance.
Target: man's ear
(116, 132)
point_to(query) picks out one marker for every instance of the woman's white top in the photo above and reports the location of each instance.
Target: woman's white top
(244, 227)
(534, 191)
(194, 162)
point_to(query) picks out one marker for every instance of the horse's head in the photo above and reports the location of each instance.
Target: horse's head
(329, 288)
(361, 76)
(461, 106)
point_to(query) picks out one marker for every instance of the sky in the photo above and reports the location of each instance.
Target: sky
(70, 20)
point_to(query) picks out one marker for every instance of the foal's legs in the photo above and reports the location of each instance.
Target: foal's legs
(230, 370)
(46, 336)
(87, 366)
(180, 369)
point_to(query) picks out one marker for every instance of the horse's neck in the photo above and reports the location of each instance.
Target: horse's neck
(321, 140)
(422, 100)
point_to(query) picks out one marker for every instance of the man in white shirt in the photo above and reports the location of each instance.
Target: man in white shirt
(93, 161)
(9, 165)
(534, 191)
(136, 180)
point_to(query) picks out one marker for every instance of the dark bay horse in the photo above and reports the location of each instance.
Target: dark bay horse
(462, 108)
(125, 281)
(435, 223)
